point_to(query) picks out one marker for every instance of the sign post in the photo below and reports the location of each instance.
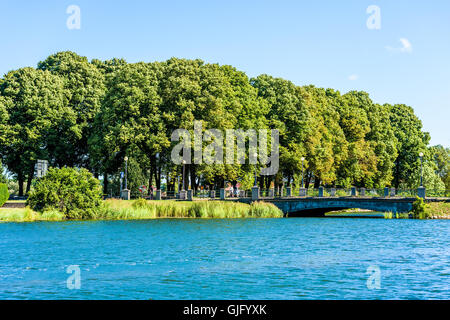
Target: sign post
(41, 168)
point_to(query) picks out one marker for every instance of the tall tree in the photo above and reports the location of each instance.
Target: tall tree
(84, 85)
(37, 106)
(411, 141)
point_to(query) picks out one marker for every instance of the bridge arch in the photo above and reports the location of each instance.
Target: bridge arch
(319, 206)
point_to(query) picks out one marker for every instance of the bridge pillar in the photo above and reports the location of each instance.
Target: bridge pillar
(333, 192)
(212, 194)
(386, 192)
(125, 194)
(222, 194)
(255, 193)
(288, 191)
(190, 195)
(302, 192)
(362, 192)
(183, 194)
(421, 192)
(158, 195)
(321, 192)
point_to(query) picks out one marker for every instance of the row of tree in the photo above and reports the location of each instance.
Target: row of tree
(79, 113)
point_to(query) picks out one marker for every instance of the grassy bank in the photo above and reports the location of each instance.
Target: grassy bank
(438, 210)
(141, 209)
(433, 210)
(28, 215)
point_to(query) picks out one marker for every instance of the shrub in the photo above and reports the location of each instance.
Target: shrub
(419, 209)
(4, 194)
(140, 204)
(73, 192)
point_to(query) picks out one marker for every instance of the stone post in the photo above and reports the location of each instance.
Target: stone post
(421, 192)
(158, 195)
(281, 191)
(241, 193)
(333, 192)
(321, 192)
(222, 194)
(288, 191)
(271, 193)
(125, 194)
(255, 193)
(212, 194)
(183, 195)
(362, 192)
(353, 192)
(392, 192)
(302, 192)
(386, 192)
(190, 195)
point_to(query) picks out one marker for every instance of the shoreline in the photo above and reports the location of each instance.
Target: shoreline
(171, 209)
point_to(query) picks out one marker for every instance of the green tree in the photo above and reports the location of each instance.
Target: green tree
(441, 157)
(3, 178)
(84, 88)
(36, 104)
(327, 145)
(411, 141)
(288, 114)
(130, 119)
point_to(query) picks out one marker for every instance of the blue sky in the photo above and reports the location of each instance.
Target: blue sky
(325, 43)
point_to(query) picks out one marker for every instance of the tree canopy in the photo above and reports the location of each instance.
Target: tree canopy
(92, 114)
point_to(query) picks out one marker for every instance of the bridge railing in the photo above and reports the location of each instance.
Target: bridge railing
(438, 193)
(169, 195)
(405, 193)
(201, 194)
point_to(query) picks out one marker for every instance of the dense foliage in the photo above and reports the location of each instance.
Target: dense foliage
(419, 209)
(91, 115)
(73, 192)
(4, 194)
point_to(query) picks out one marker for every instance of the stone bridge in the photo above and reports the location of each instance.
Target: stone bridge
(316, 206)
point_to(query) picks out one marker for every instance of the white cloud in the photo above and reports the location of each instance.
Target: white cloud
(405, 48)
(353, 77)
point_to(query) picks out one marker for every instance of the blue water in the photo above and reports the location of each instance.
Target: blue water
(306, 258)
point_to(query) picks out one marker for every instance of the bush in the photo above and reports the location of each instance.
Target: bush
(4, 194)
(73, 192)
(419, 209)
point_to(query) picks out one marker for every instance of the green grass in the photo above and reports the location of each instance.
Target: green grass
(438, 209)
(28, 215)
(142, 209)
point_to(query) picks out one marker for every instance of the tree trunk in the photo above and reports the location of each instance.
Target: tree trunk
(194, 184)
(105, 183)
(29, 180)
(307, 180)
(158, 178)
(316, 182)
(397, 173)
(20, 179)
